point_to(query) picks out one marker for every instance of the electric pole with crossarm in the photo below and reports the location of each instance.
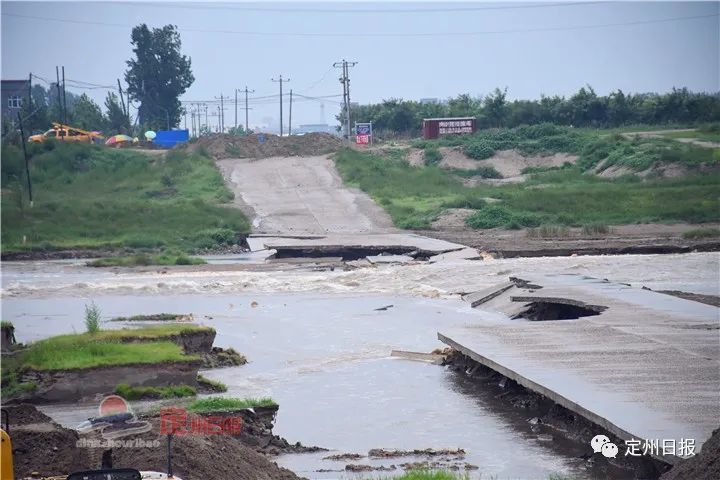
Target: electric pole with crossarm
(281, 80)
(345, 80)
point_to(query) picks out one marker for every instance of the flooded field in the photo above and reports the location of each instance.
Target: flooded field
(317, 345)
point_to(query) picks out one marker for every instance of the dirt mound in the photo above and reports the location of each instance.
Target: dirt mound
(201, 457)
(510, 163)
(41, 445)
(704, 466)
(224, 145)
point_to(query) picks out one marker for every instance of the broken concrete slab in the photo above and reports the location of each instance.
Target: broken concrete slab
(353, 247)
(462, 254)
(375, 259)
(487, 294)
(433, 358)
(646, 367)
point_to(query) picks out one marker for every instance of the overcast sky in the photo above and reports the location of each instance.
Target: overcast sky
(550, 48)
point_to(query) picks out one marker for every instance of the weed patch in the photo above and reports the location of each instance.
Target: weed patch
(702, 233)
(89, 196)
(226, 404)
(142, 393)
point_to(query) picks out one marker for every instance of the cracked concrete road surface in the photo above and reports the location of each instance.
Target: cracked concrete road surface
(301, 196)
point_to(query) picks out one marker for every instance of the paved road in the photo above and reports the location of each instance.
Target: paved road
(301, 196)
(648, 367)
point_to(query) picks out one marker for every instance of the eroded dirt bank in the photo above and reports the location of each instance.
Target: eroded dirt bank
(41, 445)
(557, 423)
(621, 240)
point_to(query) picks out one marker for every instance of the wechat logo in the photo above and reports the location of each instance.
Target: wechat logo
(602, 444)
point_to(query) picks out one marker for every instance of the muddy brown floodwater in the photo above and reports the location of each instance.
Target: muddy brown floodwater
(316, 344)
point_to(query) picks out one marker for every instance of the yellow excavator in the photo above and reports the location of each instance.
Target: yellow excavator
(66, 133)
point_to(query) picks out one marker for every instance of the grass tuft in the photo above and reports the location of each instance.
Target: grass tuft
(702, 233)
(141, 393)
(227, 404)
(143, 259)
(92, 318)
(212, 385)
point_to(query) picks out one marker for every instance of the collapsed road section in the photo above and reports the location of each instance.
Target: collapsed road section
(638, 364)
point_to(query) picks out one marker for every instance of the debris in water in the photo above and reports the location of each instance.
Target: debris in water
(254, 304)
(344, 456)
(382, 309)
(388, 453)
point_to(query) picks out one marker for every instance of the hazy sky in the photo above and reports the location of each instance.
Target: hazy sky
(550, 48)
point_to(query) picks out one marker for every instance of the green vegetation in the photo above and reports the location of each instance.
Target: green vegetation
(143, 259)
(105, 347)
(485, 171)
(12, 387)
(595, 148)
(431, 475)
(702, 233)
(211, 385)
(7, 324)
(155, 317)
(595, 228)
(414, 197)
(583, 109)
(139, 393)
(227, 404)
(432, 155)
(93, 197)
(548, 231)
(63, 353)
(92, 318)
(706, 133)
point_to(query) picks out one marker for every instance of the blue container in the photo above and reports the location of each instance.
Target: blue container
(170, 138)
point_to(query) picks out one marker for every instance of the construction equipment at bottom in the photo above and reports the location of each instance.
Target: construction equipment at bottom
(66, 133)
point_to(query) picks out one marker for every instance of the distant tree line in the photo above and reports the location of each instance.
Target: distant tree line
(583, 109)
(82, 112)
(156, 77)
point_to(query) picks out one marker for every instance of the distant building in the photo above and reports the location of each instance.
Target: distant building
(315, 128)
(429, 100)
(14, 95)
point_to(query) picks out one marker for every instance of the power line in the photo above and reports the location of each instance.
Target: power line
(386, 34)
(318, 82)
(376, 10)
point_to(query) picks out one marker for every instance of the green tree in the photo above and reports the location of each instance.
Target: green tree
(158, 75)
(87, 114)
(495, 107)
(117, 122)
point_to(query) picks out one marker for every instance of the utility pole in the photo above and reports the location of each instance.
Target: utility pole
(290, 115)
(219, 118)
(281, 80)
(122, 99)
(192, 122)
(247, 126)
(25, 154)
(206, 120)
(57, 84)
(185, 114)
(345, 80)
(64, 98)
(30, 94)
(221, 113)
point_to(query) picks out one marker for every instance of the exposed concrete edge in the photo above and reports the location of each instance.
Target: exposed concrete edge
(552, 395)
(482, 296)
(564, 301)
